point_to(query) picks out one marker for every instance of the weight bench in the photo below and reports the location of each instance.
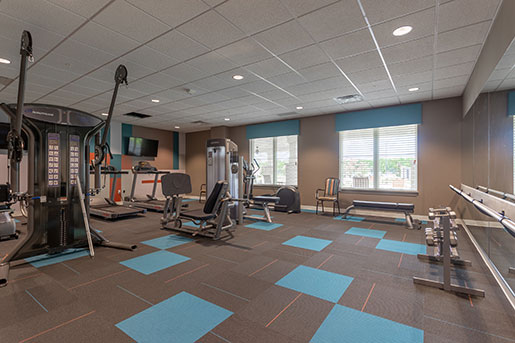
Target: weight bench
(407, 209)
(261, 202)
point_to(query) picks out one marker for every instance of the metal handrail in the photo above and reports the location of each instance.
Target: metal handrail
(508, 224)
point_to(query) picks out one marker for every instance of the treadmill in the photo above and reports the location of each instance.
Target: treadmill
(151, 202)
(111, 210)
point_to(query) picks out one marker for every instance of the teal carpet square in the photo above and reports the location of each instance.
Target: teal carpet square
(309, 243)
(401, 247)
(347, 325)
(154, 262)
(264, 226)
(167, 242)
(366, 232)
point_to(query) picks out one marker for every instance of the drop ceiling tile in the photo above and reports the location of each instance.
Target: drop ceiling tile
(327, 22)
(463, 37)
(43, 14)
(212, 30)
(416, 97)
(185, 72)
(459, 13)
(178, 46)
(12, 28)
(162, 80)
(369, 75)
(121, 17)
(212, 98)
(212, 62)
(412, 79)
(233, 92)
(305, 57)
(287, 80)
(408, 50)
(379, 11)
(211, 84)
(329, 94)
(385, 102)
(285, 37)
(84, 91)
(243, 52)
(453, 57)
(491, 86)
(374, 86)
(145, 87)
(34, 78)
(386, 93)
(507, 84)
(275, 94)
(448, 92)
(258, 86)
(59, 100)
(268, 68)
(151, 58)
(111, 42)
(253, 16)
(299, 8)
(83, 8)
(507, 61)
(321, 71)
(360, 62)
(423, 24)
(499, 74)
(458, 81)
(417, 65)
(357, 106)
(350, 44)
(173, 13)
(82, 53)
(452, 71)
(43, 70)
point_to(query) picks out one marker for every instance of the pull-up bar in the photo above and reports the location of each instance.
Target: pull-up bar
(508, 224)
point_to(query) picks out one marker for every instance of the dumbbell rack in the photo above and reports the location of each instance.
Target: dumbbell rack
(435, 238)
(444, 217)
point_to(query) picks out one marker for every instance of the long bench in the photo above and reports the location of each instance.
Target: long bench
(407, 209)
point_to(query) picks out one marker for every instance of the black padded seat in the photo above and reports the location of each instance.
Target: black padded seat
(384, 205)
(210, 208)
(265, 198)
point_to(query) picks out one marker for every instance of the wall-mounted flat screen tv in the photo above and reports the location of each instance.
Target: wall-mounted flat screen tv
(142, 147)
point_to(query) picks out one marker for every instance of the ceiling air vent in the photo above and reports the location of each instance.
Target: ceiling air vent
(137, 115)
(4, 81)
(347, 99)
(199, 122)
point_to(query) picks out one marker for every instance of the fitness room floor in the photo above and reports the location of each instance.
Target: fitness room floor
(305, 278)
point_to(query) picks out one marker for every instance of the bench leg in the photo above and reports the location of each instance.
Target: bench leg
(409, 221)
(347, 210)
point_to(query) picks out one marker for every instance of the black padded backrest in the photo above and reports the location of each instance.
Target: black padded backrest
(210, 205)
(175, 184)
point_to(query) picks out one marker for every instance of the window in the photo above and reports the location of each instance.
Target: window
(380, 158)
(277, 159)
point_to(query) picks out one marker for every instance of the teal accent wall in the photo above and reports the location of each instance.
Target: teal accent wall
(275, 129)
(117, 161)
(511, 103)
(175, 150)
(126, 133)
(379, 117)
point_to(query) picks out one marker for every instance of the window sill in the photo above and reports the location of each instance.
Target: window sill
(379, 192)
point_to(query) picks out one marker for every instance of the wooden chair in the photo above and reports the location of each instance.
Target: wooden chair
(202, 191)
(330, 193)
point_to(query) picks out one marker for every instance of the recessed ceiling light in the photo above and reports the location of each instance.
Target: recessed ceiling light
(238, 77)
(414, 89)
(155, 100)
(227, 119)
(299, 107)
(177, 127)
(403, 30)
(4, 61)
(105, 114)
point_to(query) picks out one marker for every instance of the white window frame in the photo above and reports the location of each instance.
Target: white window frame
(274, 147)
(375, 187)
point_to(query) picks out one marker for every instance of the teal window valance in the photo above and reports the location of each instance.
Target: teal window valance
(274, 129)
(379, 117)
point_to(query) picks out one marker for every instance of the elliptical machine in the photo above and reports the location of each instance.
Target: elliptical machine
(58, 159)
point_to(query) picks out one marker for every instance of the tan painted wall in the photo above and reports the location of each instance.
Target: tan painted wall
(487, 148)
(439, 156)
(196, 158)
